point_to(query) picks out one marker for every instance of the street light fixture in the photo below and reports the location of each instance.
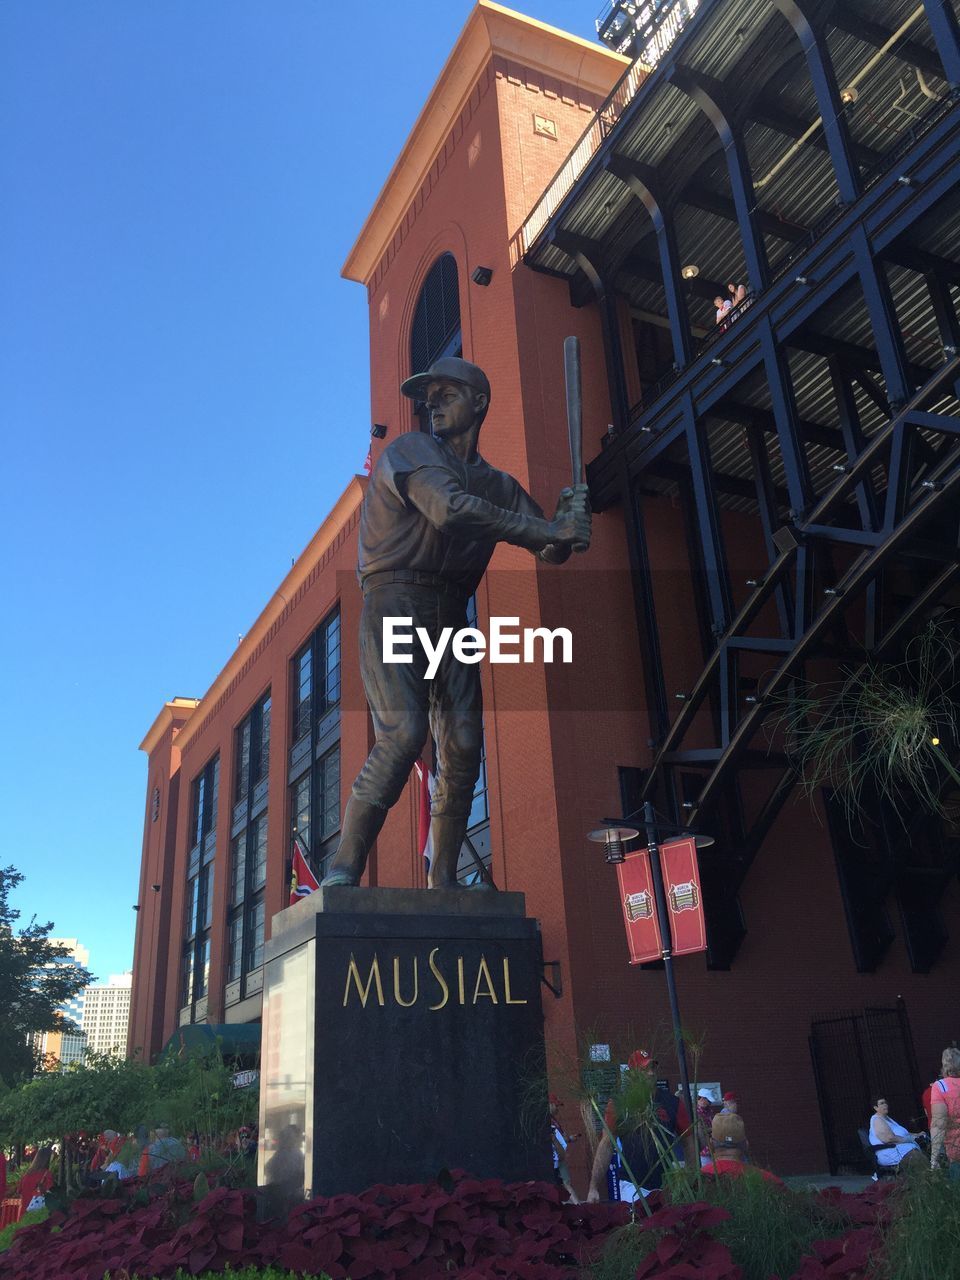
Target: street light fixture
(612, 835)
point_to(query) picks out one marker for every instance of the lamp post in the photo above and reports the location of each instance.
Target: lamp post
(666, 948)
(612, 837)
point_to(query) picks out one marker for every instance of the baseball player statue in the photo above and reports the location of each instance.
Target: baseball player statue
(433, 512)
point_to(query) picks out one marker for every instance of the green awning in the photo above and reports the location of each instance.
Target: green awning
(237, 1039)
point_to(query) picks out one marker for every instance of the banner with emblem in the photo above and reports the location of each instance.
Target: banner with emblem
(639, 907)
(681, 883)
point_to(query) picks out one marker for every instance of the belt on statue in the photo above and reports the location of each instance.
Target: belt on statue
(415, 578)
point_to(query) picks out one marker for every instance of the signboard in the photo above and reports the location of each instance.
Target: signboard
(681, 881)
(639, 907)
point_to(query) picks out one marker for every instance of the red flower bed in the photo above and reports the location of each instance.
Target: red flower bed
(476, 1231)
(686, 1249)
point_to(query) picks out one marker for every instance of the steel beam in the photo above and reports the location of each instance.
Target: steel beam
(711, 97)
(586, 254)
(801, 16)
(946, 36)
(642, 182)
(795, 467)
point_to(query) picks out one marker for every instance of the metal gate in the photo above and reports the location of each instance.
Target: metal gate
(856, 1058)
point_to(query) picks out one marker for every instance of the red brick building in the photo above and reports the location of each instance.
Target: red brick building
(446, 257)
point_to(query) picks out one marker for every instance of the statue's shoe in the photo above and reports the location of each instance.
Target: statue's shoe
(339, 876)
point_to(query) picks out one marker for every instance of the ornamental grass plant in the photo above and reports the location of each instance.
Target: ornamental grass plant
(885, 731)
(922, 1239)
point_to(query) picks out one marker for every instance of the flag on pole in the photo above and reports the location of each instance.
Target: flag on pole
(302, 880)
(426, 783)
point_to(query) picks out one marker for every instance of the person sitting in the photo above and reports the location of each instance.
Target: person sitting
(729, 1145)
(164, 1150)
(885, 1130)
(36, 1181)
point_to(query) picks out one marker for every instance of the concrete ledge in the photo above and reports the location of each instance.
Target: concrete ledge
(346, 900)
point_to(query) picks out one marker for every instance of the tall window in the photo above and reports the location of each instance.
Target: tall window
(195, 959)
(248, 851)
(315, 752)
(436, 323)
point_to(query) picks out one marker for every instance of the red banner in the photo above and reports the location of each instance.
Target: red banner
(639, 907)
(681, 882)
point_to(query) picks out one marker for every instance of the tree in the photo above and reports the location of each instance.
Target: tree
(35, 983)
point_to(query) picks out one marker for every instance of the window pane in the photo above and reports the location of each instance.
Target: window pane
(199, 788)
(480, 807)
(238, 869)
(203, 969)
(302, 692)
(300, 809)
(243, 760)
(263, 765)
(332, 663)
(186, 976)
(193, 905)
(329, 782)
(258, 853)
(255, 936)
(210, 818)
(235, 948)
(206, 880)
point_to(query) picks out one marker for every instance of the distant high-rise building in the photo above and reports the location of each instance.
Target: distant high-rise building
(66, 1047)
(106, 1013)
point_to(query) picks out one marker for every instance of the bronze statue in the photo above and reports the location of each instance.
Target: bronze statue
(433, 512)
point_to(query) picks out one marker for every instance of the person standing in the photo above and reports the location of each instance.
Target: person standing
(645, 1135)
(945, 1115)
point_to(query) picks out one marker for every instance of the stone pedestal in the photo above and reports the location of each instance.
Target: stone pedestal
(402, 1034)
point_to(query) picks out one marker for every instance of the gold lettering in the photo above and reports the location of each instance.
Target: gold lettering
(405, 1004)
(506, 983)
(460, 979)
(363, 992)
(440, 978)
(481, 972)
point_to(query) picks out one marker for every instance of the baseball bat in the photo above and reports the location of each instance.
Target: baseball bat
(571, 368)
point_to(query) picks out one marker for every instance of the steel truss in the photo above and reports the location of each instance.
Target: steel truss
(826, 596)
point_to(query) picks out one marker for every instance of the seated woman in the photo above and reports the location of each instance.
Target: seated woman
(885, 1130)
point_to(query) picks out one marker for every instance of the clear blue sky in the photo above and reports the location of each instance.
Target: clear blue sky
(184, 384)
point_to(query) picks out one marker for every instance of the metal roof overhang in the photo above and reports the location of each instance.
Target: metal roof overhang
(749, 44)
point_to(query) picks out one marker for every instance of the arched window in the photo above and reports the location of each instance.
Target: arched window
(436, 322)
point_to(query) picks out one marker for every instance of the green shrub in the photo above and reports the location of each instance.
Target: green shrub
(769, 1230)
(8, 1232)
(623, 1251)
(770, 1227)
(922, 1241)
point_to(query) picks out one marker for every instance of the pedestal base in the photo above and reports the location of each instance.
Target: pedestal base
(402, 1034)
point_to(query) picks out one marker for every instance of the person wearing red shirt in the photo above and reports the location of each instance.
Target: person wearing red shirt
(37, 1178)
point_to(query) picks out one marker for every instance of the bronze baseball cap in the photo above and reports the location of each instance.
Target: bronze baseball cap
(452, 368)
